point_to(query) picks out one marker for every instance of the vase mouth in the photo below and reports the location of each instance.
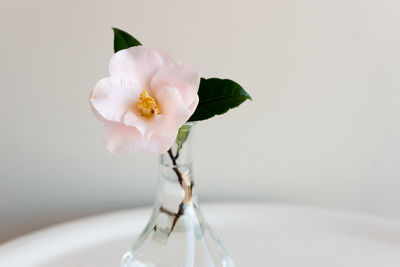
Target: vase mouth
(190, 123)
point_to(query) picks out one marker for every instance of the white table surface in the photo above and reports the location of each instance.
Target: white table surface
(255, 235)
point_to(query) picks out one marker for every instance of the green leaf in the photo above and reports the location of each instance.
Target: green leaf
(217, 96)
(123, 40)
(183, 134)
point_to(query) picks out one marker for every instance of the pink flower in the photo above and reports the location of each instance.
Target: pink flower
(145, 100)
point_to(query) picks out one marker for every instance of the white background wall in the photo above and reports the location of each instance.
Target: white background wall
(323, 128)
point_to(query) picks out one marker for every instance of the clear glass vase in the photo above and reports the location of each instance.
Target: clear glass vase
(177, 234)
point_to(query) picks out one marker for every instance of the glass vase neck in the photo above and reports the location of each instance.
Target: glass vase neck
(181, 151)
(176, 185)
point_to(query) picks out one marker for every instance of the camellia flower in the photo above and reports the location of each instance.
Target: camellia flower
(145, 100)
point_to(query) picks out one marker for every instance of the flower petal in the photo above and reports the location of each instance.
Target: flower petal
(121, 139)
(178, 75)
(138, 65)
(173, 108)
(160, 144)
(192, 107)
(111, 98)
(146, 126)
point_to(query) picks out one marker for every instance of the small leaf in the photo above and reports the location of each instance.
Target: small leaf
(217, 96)
(183, 134)
(123, 40)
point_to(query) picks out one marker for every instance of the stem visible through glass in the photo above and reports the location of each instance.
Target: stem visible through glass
(185, 183)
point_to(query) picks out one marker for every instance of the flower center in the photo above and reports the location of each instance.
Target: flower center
(147, 105)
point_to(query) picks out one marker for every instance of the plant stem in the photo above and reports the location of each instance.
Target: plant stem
(180, 179)
(175, 166)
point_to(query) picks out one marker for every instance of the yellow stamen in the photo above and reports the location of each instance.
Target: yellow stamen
(147, 105)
